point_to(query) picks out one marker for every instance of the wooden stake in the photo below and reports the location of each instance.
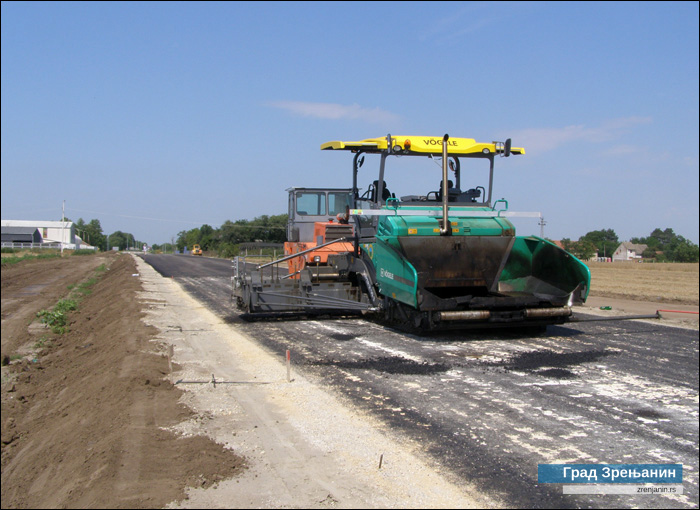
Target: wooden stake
(289, 361)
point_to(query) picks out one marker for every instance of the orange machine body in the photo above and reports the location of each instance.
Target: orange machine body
(323, 233)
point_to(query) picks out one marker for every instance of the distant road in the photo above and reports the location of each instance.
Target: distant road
(189, 266)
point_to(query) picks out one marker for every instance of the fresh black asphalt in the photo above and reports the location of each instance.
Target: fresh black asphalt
(489, 407)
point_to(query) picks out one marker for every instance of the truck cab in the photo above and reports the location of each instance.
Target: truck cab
(314, 220)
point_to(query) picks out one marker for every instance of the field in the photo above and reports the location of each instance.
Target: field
(675, 283)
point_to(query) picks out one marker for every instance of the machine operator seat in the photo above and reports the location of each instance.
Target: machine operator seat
(452, 192)
(385, 192)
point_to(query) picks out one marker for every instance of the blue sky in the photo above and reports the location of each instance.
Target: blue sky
(160, 117)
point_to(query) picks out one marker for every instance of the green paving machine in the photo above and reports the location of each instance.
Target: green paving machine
(446, 257)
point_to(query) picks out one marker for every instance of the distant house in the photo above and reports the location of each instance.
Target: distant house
(60, 233)
(629, 251)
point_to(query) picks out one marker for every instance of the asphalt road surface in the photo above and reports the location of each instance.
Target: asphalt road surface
(492, 406)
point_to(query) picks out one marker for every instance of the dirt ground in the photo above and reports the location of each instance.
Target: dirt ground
(91, 418)
(83, 417)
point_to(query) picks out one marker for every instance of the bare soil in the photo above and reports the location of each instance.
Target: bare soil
(84, 417)
(90, 418)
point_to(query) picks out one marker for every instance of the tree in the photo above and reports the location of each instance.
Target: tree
(682, 250)
(674, 248)
(639, 240)
(163, 248)
(95, 235)
(663, 237)
(91, 233)
(206, 238)
(605, 241)
(193, 236)
(268, 229)
(181, 240)
(121, 240)
(228, 233)
(583, 249)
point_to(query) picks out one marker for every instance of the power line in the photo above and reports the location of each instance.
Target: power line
(136, 217)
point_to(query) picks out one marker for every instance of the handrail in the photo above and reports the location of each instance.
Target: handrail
(445, 228)
(304, 252)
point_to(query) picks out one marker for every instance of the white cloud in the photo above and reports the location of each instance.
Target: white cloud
(625, 150)
(334, 111)
(460, 21)
(538, 140)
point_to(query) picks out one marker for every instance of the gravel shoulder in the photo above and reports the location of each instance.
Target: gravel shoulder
(304, 447)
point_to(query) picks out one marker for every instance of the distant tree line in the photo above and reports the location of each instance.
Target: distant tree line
(225, 240)
(666, 246)
(662, 246)
(92, 234)
(222, 241)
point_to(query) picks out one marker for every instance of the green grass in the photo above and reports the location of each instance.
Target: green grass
(42, 342)
(57, 318)
(82, 289)
(14, 259)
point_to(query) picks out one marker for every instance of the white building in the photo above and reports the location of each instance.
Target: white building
(629, 251)
(52, 232)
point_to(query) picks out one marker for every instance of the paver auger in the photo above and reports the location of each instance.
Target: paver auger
(448, 258)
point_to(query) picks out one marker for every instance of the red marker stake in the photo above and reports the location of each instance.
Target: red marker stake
(289, 361)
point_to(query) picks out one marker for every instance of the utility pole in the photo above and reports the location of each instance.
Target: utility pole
(63, 226)
(542, 224)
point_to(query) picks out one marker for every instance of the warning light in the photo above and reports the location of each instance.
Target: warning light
(407, 144)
